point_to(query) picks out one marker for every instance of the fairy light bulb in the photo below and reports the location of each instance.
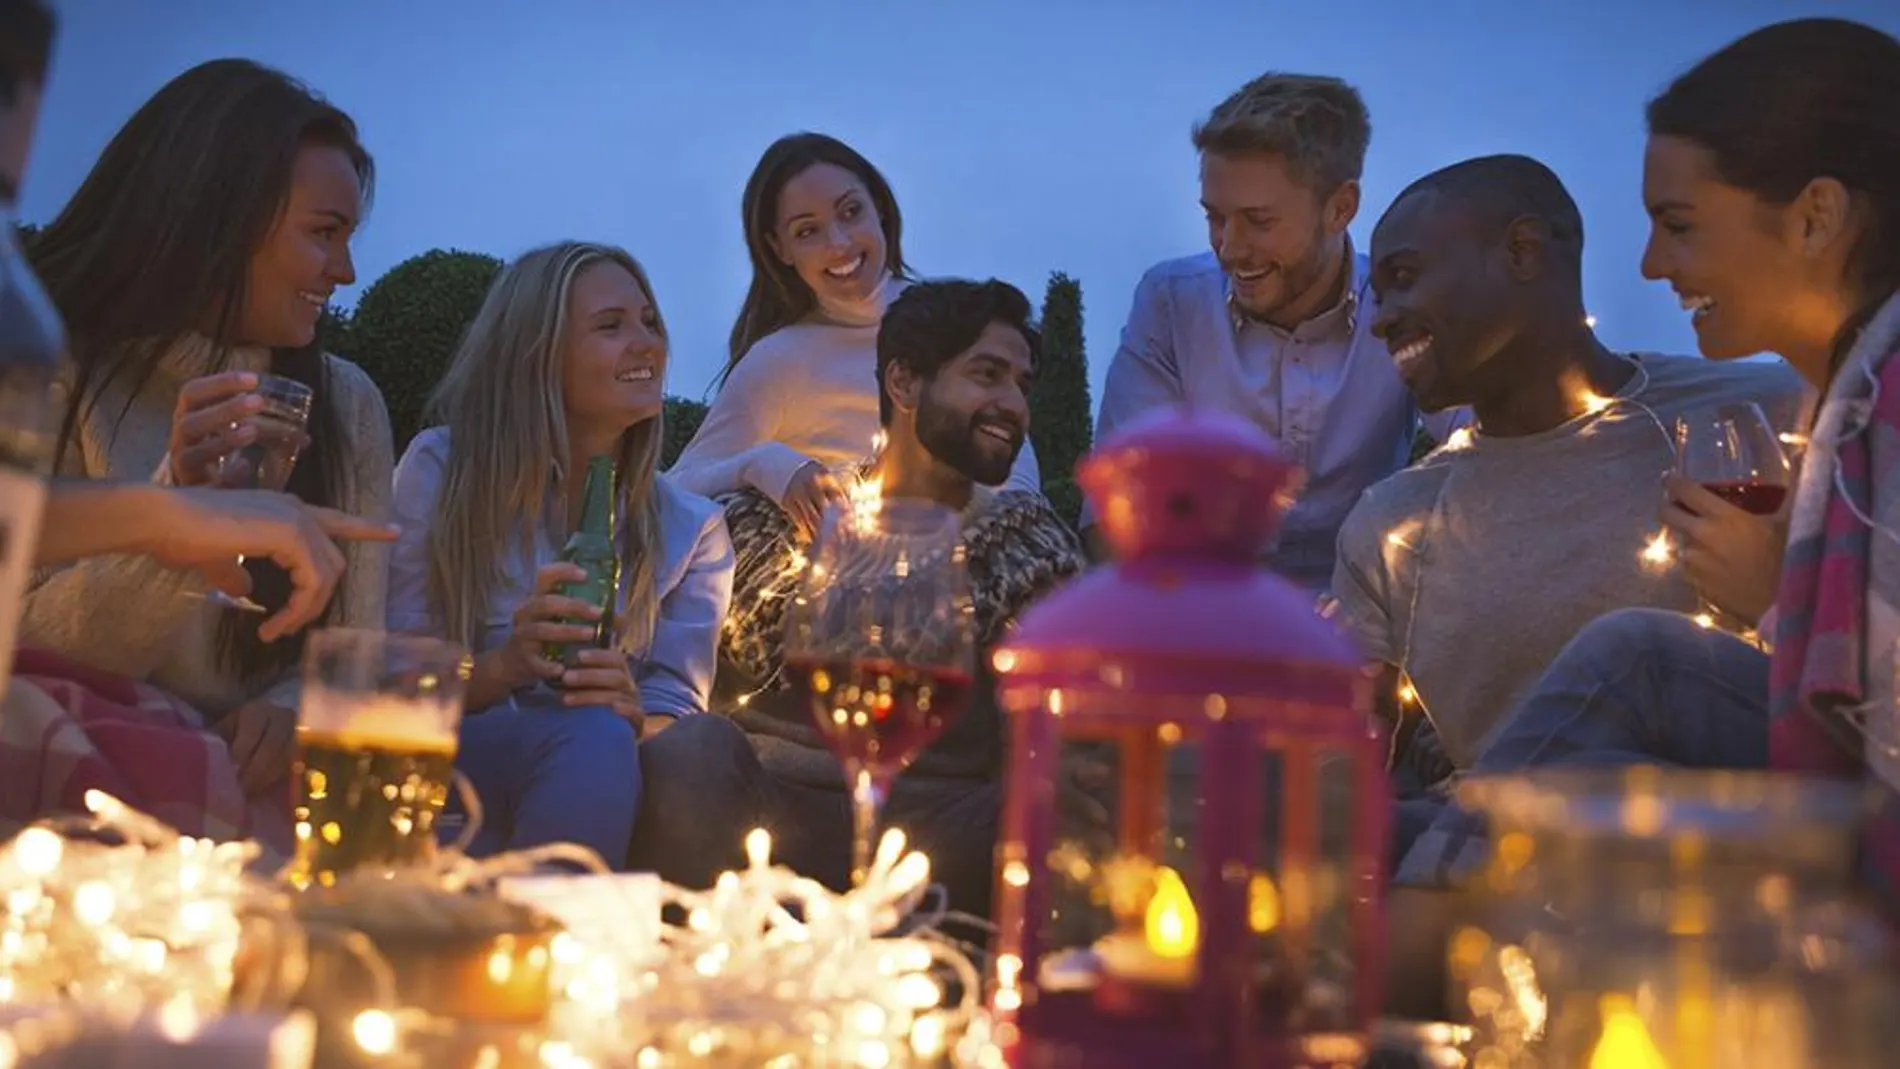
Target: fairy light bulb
(758, 848)
(38, 852)
(374, 1031)
(1657, 552)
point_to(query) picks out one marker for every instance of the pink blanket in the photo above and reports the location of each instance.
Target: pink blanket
(66, 729)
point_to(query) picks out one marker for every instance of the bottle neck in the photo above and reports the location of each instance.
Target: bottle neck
(597, 497)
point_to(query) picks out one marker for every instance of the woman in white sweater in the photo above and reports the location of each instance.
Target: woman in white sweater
(196, 256)
(799, 396)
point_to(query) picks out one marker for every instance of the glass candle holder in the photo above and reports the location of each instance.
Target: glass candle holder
(1647, 917)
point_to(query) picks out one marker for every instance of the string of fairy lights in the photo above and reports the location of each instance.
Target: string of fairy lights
(864, 495)
(1414, 536)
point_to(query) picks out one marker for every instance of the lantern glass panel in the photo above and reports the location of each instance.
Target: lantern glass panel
(1300, 901)
(1122, 861)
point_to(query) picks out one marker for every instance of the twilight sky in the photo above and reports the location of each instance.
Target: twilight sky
(1022, 137)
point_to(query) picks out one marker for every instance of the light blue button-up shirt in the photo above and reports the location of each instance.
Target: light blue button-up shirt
(1326, 391)
(694, 581)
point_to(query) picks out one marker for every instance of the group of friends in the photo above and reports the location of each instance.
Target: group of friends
(1496, 585)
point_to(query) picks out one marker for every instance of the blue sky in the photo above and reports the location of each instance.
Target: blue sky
(1021, 137)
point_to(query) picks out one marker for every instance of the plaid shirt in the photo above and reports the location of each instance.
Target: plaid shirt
(1831, 687)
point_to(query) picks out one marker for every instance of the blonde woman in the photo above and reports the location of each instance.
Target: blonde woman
(563, 363)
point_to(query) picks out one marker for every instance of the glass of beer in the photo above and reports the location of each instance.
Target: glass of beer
(376, 740)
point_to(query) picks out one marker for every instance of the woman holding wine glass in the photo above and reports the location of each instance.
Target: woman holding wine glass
(1724, 504)
(191, 268)
(564, 364)
(1772, 179)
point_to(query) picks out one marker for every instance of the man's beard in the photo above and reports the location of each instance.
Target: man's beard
(957, 443)
(1295, 278)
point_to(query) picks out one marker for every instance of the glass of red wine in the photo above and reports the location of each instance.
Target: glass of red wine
(880, 639)
(1735, 453)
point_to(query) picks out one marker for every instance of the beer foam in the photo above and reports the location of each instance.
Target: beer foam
(391, 721)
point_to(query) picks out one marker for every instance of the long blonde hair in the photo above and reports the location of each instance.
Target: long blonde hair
(508, 449)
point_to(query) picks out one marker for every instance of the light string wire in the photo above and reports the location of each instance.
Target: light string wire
(1417, 544)
(115, 918)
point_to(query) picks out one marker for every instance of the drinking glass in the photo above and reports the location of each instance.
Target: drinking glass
(880, 638)
(1734, 452)
(376, 744)
(267, 462)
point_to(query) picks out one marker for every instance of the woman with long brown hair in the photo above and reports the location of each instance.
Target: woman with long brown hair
(197, 256)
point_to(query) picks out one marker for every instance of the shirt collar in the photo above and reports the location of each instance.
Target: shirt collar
(1345, 311)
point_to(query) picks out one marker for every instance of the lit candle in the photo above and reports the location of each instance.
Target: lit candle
(1162, 953)
(1625, 1043)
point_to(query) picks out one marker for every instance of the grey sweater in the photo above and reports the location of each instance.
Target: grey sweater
(129, 615)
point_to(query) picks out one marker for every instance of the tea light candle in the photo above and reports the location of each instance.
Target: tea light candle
(1162, 953)
(1128, 956)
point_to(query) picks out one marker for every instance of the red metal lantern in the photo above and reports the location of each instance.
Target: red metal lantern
(1194, 834)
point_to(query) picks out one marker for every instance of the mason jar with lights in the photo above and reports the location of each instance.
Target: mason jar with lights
(1194, 830)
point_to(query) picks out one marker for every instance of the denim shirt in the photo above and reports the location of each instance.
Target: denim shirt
(1326, 391)
(694, 581)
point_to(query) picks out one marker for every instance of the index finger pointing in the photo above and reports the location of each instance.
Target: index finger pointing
(350, 528)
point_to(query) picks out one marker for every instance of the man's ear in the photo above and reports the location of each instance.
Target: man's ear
(902, 386)
(1342, 207)
(1525, 242)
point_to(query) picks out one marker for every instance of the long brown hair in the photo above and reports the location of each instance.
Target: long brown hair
(156, 246)
(777, 297)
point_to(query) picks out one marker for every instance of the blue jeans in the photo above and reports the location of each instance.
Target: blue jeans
(1638, 686)
(708, 783)
(546, 773)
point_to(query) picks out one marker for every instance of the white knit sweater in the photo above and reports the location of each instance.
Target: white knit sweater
(807, 392)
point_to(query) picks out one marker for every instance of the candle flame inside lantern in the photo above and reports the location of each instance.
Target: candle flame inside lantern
(1263, 904)
(1625, 1043)
(1172, 928)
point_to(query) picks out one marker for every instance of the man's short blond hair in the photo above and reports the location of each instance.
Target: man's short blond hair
(1318, 125)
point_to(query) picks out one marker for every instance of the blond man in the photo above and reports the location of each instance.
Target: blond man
(1273, 323)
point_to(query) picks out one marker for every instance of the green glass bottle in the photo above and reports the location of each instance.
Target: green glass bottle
(592, 546)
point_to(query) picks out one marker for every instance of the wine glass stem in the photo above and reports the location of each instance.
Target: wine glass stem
(867, 805)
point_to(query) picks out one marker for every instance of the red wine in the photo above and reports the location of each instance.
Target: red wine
(1762, 499)
(878, 714)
